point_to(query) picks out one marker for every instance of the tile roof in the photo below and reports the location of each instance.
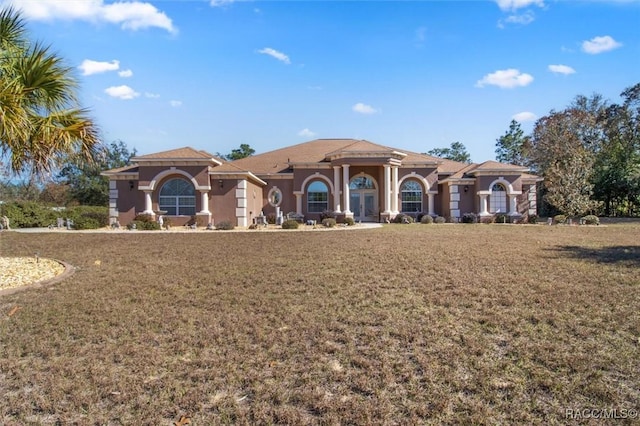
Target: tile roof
(185, 153)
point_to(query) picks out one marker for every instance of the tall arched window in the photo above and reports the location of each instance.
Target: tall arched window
(411, 195)
(178, 197)
(498, 199)
(317, 197)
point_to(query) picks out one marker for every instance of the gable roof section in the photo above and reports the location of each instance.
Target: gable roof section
(180, 154)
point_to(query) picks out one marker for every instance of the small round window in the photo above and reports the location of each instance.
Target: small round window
(275, 197)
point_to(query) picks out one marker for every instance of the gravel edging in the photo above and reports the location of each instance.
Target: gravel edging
(68, 271)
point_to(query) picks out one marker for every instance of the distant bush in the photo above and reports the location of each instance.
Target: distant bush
(99, 216)
(426, 219)
(290, 224)
(349, 221)
(533, 219)
(144, 222)
(327, 214)
(559, 219)
(271, 218)
(403, 218)
(28, 214)
(502, 218)
(224, 225)
(469, 218)
(591, 220)
(486, 219)
(440, 219)
(329, 222)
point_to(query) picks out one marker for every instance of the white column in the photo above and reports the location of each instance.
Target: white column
(204, 198)
(386, 189)
(336, 186)
(298, 202)
(148, 205)
(345, 181)
(513, 203)
(431, 204)
(483, 204)
(394, 189)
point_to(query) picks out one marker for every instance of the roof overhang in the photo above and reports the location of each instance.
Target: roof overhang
(237, 175)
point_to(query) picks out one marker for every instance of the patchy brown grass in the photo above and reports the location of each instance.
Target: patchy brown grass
(408, 324)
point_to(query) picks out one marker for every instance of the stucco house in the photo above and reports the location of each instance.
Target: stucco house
(352, 178)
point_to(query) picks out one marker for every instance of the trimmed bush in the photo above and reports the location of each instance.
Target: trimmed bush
(591, 220)
(290, 224)
(84, 222)
(532, 219)
(144, 222)
(559, 219)
(329, 222)
(225, 225)
(271, 218)
(440, 219)
(426, 219)
(403, 218)
(349, 221)
(97, 214)
(469, 218)
(28, 214)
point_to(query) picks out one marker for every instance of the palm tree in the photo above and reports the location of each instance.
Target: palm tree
(40, 120)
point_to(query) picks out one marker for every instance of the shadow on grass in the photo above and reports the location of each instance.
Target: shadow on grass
(623, 255)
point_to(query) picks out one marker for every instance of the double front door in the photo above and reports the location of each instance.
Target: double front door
(363, 204)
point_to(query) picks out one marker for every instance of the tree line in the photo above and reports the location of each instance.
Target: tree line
(587, 153)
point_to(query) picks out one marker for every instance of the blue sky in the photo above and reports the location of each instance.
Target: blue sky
(414, 75)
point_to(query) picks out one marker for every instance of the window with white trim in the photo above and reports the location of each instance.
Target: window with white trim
(317, 197)
(178, 198)
(411, 196)
(498, 199)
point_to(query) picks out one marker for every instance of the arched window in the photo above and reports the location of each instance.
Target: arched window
(411, 195)
(178, 197)
(498, 199)
(362, 182)
(317, 197)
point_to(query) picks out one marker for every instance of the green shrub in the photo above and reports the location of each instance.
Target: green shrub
(329, 222)
(591, 220)
(349, 221)
(225, 225)
(426, 219)
(469, 218)
(440, 219)
(559, 218)
(290, 224)
(271, 218)
(533, 219)
(28, 214)
(85, 222)
(98, 214)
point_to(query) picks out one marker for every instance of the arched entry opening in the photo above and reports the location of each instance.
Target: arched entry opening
(363, 198)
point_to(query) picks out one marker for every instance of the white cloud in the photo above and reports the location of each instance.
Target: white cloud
(121, 92)
(524, 116)
(506, 79)
(132, 15)
(521, 19)
(274, 53)
(600, 44)
(364, 108)
(561, 69)
(125, 73)
(151, 95)
(306, 133)
(219, 3)
(89, 67)
(508, 5)
(175, 104)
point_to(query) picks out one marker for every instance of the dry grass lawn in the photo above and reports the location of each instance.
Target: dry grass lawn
(407, 324)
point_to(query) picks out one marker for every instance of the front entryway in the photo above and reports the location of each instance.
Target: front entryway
(363, 199)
